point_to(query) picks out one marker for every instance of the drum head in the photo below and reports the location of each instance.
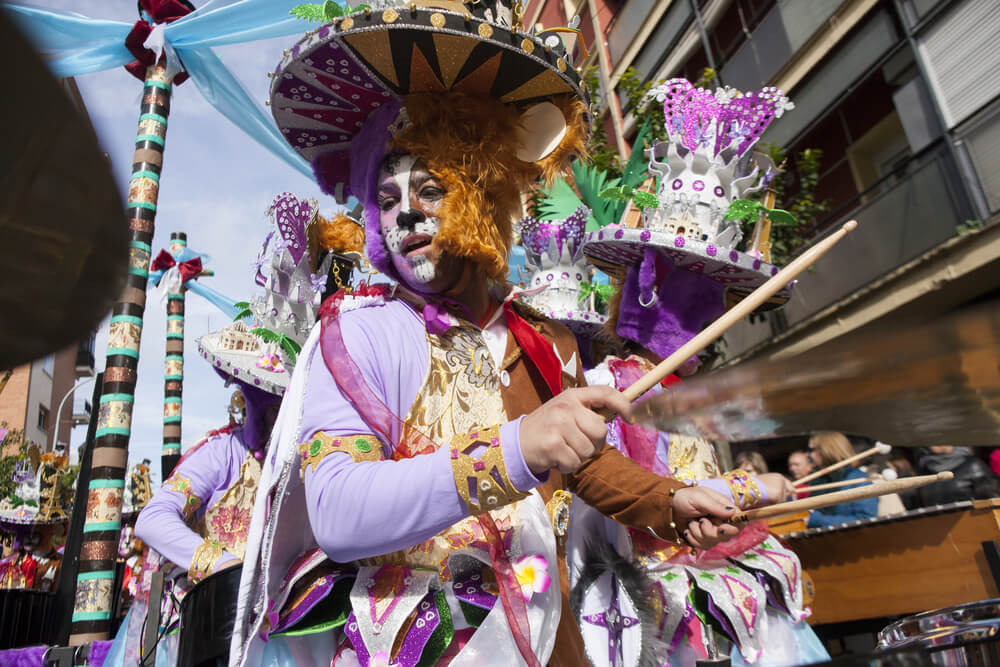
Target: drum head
(63, 233)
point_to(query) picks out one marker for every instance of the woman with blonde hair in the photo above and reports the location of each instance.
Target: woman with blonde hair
(828, 448)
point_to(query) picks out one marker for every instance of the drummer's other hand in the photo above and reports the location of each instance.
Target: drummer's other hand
(566, 430)
(699, 514)
(779, 488)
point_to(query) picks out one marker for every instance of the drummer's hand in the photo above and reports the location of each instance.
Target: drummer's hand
(779, 488)
(565, 431)
(699, 514)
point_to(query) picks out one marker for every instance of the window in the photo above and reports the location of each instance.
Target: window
(49, 364)
(43, 416)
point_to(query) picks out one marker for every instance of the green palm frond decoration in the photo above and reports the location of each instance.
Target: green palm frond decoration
(624, 193)
(558, 202)
(288, 345)
(746, 210)
(590, 181)
(325, 12)
(243, 311)
(602, 293)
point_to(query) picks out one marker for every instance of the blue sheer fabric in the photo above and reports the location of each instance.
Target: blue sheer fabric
(78, 45)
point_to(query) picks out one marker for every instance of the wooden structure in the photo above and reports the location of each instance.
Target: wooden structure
(898, 565)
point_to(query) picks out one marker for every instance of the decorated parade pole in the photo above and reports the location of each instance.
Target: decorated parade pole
(173, 370)
(91, 619)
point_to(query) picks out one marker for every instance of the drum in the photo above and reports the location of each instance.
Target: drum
(25, 618)
(906, 657)
(208, 613)
(964, 636)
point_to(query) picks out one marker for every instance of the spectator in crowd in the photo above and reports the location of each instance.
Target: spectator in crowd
(825, 449)
(752, 462)
(799, 465)
(973, 478)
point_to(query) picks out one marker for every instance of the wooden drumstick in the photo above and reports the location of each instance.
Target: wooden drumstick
(737, 313)
(837, 497)
(879, 448)
(835, 485)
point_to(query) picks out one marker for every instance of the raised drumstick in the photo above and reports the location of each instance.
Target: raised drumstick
(837, 497)
(835, 485)
(879, 448)
(715, 330)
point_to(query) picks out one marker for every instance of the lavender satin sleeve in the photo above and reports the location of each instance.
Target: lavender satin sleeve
(360, 509)
(162, 523)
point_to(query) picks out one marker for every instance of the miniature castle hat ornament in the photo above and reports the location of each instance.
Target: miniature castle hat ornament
(554, 252)
(704, 165)
(264, 354)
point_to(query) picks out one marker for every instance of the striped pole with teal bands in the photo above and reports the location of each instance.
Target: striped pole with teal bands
(173, 370)
(91, 620)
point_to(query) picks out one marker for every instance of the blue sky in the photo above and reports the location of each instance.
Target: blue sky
(216, 184)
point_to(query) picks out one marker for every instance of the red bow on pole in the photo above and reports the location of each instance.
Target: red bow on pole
(188, 269)
(161, 11)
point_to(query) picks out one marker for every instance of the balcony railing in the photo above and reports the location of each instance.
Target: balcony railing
(898, 221)
(85, 358)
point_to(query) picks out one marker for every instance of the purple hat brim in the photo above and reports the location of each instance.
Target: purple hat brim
(737, 271)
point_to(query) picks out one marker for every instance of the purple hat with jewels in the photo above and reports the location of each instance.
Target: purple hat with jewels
(554, 253)
(260, 347)
(704, 165)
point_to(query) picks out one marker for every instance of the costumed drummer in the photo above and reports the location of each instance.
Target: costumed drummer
(199, 518)
(672, 271)
(430, 425)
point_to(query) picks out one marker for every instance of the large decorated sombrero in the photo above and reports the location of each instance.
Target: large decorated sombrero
(260, 348)
(705, 164)
(332, 80)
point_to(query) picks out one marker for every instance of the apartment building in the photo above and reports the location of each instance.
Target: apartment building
(902, 97)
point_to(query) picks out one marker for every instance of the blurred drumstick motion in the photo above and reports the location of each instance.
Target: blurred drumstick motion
(879, 448)
(914, 386)
(850, 495)
(835, 485)
(753, 301)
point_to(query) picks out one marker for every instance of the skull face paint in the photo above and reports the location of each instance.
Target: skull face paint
(409, 198)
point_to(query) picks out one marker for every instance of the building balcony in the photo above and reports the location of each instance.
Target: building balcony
(85, 358)
(902, 219)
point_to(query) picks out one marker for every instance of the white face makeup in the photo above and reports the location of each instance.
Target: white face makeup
(408, 200)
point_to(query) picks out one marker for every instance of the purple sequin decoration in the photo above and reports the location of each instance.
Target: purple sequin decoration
(774, 270)
(719, 192)
(733, 255)
(535, 234)
(679, 241)
(756, 264)
(698, 186)
(711, 250)
(644, 235)
(292, 216)
(697, 116)
(619, 233)
(677, 184)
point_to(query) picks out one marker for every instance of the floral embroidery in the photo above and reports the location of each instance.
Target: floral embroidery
(227, 522)
(231, 525)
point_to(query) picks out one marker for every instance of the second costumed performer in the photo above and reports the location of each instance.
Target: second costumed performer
(674, 268)
(428, 426)
(197, 522)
